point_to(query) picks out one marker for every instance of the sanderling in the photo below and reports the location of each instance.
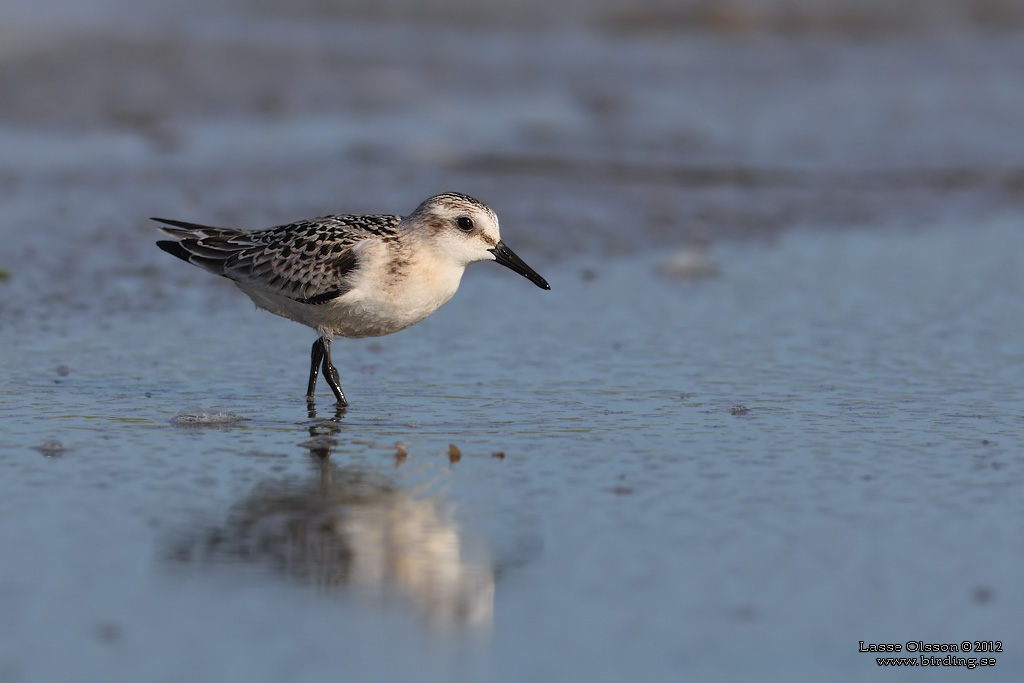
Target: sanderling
(352, 276)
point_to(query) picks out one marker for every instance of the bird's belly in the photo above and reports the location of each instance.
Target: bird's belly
(373, 308)
(356, 313)
(351, 316)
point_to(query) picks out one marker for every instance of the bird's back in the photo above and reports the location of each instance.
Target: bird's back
(308, 261)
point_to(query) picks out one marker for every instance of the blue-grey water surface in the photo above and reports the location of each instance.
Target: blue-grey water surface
(651, 472)
(738, 477)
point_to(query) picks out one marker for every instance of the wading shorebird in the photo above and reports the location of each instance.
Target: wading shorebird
(352, 276)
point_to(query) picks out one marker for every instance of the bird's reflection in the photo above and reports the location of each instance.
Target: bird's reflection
(357, 529)
(323, 430)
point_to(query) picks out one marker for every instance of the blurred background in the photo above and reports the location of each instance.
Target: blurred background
(771, 407)
(590, 126)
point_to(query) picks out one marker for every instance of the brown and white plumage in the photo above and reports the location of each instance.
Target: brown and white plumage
(352, 275)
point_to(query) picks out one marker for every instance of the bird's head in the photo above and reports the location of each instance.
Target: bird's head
(465, 230)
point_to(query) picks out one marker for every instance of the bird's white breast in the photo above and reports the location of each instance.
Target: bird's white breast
(391, 289)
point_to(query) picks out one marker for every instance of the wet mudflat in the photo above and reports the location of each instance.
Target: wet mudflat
(771, 407)
(654, 474)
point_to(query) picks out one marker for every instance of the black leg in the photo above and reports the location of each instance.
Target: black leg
(331, 372)
(316, 356)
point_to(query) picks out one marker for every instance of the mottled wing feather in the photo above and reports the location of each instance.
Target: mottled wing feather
(307, 261)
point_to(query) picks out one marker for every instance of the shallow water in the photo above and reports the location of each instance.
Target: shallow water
(634, 476)
(742, 475)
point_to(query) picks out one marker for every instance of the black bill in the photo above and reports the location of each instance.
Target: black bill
(508, 258)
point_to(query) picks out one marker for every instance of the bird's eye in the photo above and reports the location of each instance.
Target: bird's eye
(465, 223)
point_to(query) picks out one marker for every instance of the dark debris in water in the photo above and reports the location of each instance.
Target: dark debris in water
(739, 409)
(108, 633)
(52, 448)
(203, 418)
(745, 613)
(983, 595)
